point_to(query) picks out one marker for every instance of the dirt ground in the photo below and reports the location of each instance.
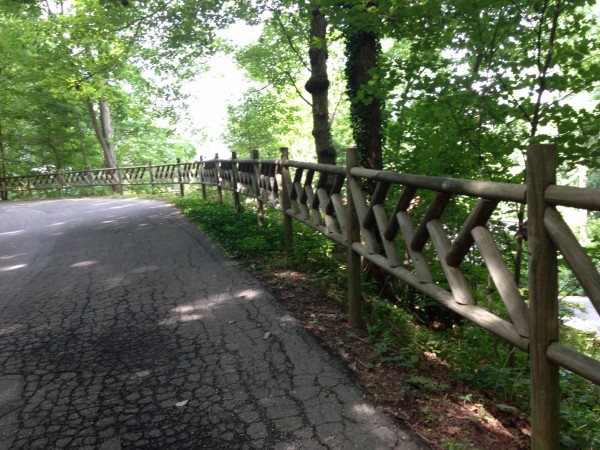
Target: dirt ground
(426, 397)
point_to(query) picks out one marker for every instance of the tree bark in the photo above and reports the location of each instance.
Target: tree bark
(3, 194)
(104, 134)
(318, 87)
(2, 155)
(98, 131)
(362, 49)
(107, 132)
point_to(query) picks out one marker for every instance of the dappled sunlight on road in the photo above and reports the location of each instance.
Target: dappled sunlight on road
(84, 263)
(15, 267)
(12, 233)
(16, 255)
(127, 205)
(203, 307)
(187, 313)
(364, 410)
(113, 282)
(10, 329)
(249, 294)
(145, 269)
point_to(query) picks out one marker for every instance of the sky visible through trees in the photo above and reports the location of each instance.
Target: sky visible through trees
(211, 92)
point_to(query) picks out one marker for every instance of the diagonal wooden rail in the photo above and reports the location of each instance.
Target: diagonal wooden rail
(402, 229)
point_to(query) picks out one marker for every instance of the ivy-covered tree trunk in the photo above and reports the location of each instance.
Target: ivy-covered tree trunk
(2, 156)
(318, 87)
(362, 49)
(3, 194)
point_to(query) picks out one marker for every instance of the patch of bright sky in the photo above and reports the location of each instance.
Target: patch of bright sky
(212, 91)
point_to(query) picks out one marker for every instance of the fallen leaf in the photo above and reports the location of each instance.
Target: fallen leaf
(267, 335)
(182, 403)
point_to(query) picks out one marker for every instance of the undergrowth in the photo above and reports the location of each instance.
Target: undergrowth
(400, 334)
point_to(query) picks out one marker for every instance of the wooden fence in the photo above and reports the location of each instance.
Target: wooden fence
(384, 229)
(118, 178)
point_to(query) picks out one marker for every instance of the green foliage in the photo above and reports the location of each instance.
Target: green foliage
(594, 231)
(452, 445)
(237, 233)
(580, 412)
(481, 79)
(55, 57)
(261, 122)
(241, 237)
(390, 325)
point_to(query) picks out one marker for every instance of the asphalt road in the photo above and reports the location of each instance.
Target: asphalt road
(121, 326)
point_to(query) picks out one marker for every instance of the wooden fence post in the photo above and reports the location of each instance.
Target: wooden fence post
(543, 301)
(202, 178)
(180, 178)
(260, 211)
(151, 177)
(353, 235)
(61, 182)
(286, 204)
(89, 178)
(3, 190)
(118, 184)
(234, 181)
(218, 179)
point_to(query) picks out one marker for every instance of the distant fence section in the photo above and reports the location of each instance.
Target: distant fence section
(118, 178)
(384, 229)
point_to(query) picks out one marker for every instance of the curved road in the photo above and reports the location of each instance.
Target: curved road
(121, 326)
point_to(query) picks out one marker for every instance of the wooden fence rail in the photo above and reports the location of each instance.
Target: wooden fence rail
(121, 177)
(387, 229)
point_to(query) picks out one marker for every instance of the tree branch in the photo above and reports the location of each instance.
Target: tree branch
(290, 42)
(546, 65)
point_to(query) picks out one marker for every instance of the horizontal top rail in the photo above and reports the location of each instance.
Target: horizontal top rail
(249, 161)
(576, 197)
(489, 190)
(327, 168)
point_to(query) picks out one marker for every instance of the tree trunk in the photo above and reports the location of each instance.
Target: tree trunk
(318, 86)
(57, 161)
(3, 194)
(98, 132)
(107, 132)
(104, 134)
(2, 155)
(362, 48)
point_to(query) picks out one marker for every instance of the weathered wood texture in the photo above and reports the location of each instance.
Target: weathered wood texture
(543, 299)
(126, 177)
(353, 235)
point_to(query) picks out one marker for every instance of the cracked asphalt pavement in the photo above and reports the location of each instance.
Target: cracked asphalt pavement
(121, 326)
